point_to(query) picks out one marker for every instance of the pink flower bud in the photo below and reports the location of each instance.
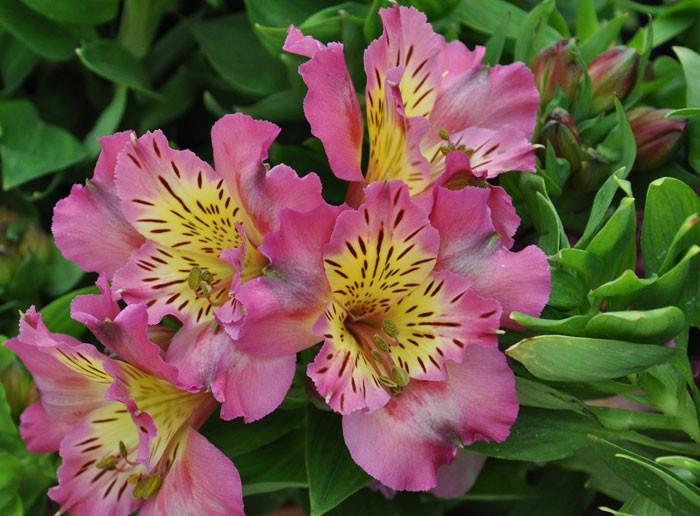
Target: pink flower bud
(657, 137)
(557, 65)
(613, 74)
(561, 133)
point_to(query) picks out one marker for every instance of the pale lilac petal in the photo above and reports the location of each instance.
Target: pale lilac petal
(471, 247)
(503, 214)
(246, 385)
(497, 151)
(457, 59)
(332, 110)
(501, 96)
(297, 43)
(201, 480)
(240, 146)
(68, 375)
(283, 303)
(106, 164)
(404, 443)
(456, 479)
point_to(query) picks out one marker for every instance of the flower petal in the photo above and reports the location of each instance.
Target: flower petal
(430, 419)
(201, 480)
(456, 479)
(472, 248)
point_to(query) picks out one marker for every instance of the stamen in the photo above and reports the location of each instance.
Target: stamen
(122, 449)
(380, 342)
(389, 327)
(400, 376)
(134, 141)
(109, 463)
(146, 487)
(444, 135)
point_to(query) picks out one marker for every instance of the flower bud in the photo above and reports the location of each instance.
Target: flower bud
(19, 388)
(613, 74)
(657, 138)
(594, 171)
(561, 133)
(557, 65)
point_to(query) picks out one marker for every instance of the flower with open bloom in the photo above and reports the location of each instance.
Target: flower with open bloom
(125, 429)
(408, 305)
(181, 237)
(424, 99)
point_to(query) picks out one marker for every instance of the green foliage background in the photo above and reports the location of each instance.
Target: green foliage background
(71, 71)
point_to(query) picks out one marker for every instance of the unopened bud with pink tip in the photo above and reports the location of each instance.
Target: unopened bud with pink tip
(557, 65)
(613, 74)
(561, 133)
(657, 137)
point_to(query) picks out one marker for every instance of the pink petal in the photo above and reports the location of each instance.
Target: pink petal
(68, 376)
(283, 303)
(297, 43)
(457, 59)
(498, 151)
(88, 225)
(404, 443)
(471, 247)
(202, 480)
(240, 147)
(247, 385)
(457, 478)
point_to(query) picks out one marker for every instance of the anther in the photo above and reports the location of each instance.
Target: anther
(389, 327)
(109, 463)
(444, 135)
(380, 342)
(146, 487)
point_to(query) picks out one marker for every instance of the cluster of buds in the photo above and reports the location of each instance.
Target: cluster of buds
(557, 66)
(19, 239)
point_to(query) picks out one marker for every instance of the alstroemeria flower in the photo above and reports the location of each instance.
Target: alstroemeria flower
(126, 430)
(409, 353)
(189, 235)
(424, 99)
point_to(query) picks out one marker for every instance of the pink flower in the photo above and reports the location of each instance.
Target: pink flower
(408, 305)
(126, 430)
(181, 237)
(424, 99)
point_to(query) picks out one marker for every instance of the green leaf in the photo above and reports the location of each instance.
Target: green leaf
(651, 327)
(620, 147)
(574, 326)
(654, 481)
(535, 394)
(494, 45)
(113, 62)
(561, 358)
(586, 20)
(283, 106)
(75, 11)
(333, 476)
(601, 204)
(235, 53)
(487, 18)
(30, 148)
(567, 290)
(691, 68)
(531, 34)
(108, 121)
(602, 39)
(43, 36)
(56, 315)
(669, 203)
(62, 275)
(542, 435)
(625, 285)
(638, 504)
(587, 265)
(16, 63)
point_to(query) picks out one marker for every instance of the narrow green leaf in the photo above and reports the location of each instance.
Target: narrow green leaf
(691, 68)
(531, 35)
(586, 20)
(624, 285)
(651, 326)
(74, 11)
(656, 482)
(16, 63)
(535, 394)
(561, 358)
(30, 148)
(683, 112)
(574, 326)
(487, 18)
(599, 210)
(602, 39)
(113, 62)
(494, 45)
(43, 36)
(108, 121)
(56, 315)
(333, 476)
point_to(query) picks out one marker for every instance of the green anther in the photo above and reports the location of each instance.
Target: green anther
(387, 382)
(194, 278)
(122, 449)
(207, 277)
(389, 327)
(376, 355)
(108, 463)
(146, 487)
(444, 134)
(380, 342)
(400, 376)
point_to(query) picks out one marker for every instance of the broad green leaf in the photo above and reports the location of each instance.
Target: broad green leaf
(542, 435)
(626, 284)
(16, 62)
(236, 438)
(619, 147)
(487, 18)
(280, 107)
(29, 147)
(333, 476)
(601, 204)
(282, 13)
(235, 53)
(691, 68)
(494, 45)
(498, 481)
(278, 465)
(669, 203)
(615, 244)
(113, 62)
(567, 290)
(638, 504)
(531, 34)
(62, 275)
(562, 358)
(535, 394)
(587, 265)
(652, 326)
(654, 481)
(75, 11)
(56, 315)
(43, 36)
